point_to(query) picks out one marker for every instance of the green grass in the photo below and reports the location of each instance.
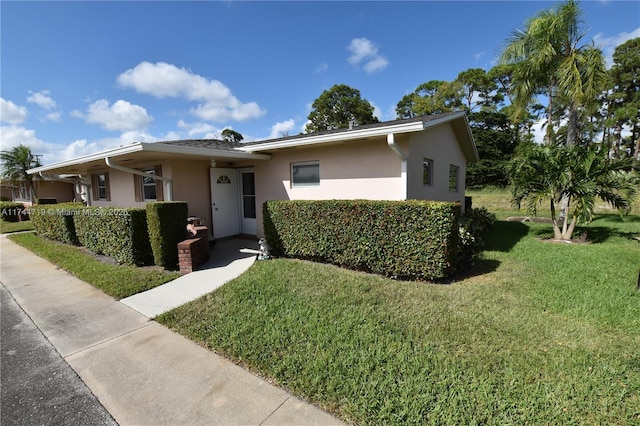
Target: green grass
(498, 200)
(118, 281)
(540, 333)
(9, 227)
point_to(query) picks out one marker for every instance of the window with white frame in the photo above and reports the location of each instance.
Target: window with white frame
(100, 187)
(427, 171)
(149, 186)
(453, 178)
(146, 187)
(305, 174)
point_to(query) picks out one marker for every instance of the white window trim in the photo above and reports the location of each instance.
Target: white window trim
(150, 170)
(305, 185)
(457, 186)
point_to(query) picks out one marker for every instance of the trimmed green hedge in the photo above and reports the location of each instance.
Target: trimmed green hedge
(118, 233)
(12, 211)
(55, 221)
(167, 224)
(405, 239)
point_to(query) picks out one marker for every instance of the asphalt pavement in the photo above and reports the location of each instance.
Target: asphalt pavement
(38, 386)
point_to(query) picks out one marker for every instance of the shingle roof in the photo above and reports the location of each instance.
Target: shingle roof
(216, 144)
(423, 118)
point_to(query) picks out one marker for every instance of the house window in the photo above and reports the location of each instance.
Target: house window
(453, 178)
(22, 192)
(427, 171)
(248, 195)
(100, 187)
(223, 180)
(305, 174)
(147, 188)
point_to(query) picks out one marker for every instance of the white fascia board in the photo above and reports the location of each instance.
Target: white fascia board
(151, 147)
(127, 149)
(237, 153)
(338, 137)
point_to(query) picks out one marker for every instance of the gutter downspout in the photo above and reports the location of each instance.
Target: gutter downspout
(82, 185)
(168, 186)
(403, 170)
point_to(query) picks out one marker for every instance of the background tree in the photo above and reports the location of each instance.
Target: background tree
(548, 57)
(338, 106)
(479, 90)
(231, 136)
(623, 97)
(14, 164)
(432, 97)
(496, 140)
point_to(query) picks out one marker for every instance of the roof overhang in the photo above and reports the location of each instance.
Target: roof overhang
(142, 151)
(458, 121)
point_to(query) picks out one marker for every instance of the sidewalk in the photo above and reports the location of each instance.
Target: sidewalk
(141, 372)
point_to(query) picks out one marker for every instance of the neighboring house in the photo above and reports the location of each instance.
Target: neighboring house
(20, 192)
(226, 183)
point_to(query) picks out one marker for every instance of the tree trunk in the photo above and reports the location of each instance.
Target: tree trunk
(636, 155)
(547, 135)
(557, 234)
(567, 233)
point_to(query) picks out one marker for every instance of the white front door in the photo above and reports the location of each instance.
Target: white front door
(224, 202)
(248, 201)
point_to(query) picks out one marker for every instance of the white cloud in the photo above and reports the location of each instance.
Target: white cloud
(609, 44)
(121, 116)
(42, 99)
(281, 128)
(479, 55)
(364, 51)
(13, 136)
(166, 80)
(322, 68)
(200, 130)
(53, 116)
(376, 64)
(11, 113)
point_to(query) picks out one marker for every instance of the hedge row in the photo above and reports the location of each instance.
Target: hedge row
(129, 235)
(12, 211)
(55, 221)
(167, 227)
(407, 239)
(117, 233)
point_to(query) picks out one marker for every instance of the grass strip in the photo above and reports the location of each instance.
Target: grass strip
(10, 227)
(118, 281)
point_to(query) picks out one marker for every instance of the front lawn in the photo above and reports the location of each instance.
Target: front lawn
(118, 281)
(542, 333)
(9, 227)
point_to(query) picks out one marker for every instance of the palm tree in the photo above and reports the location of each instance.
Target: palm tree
(14, 165)
(579, 174)
(550, 60)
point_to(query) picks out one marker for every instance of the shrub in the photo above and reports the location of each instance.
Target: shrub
(118, 233)
(167, 223)
(407, 239)
(13, 212)
(56, 222)
(474, 225)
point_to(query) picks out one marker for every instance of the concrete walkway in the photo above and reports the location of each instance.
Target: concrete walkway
(229, 259)
(140, 371)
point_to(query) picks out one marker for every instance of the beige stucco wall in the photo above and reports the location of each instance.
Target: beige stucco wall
(358, 170)
(440, 145)
(190, 183)
(61, 191)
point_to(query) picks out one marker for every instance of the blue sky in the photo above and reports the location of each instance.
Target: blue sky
(80, 77)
